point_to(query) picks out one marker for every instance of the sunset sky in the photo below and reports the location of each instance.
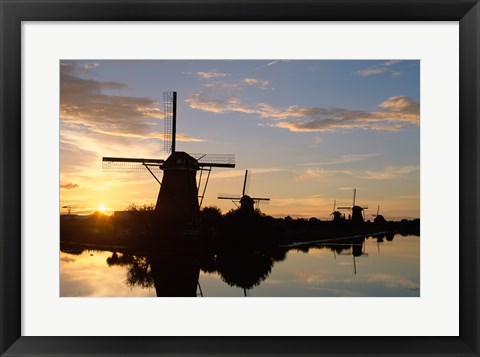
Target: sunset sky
(308, 131)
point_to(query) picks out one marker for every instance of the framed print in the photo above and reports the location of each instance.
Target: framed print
(322, 103)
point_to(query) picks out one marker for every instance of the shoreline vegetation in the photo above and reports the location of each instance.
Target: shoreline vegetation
(139, 228)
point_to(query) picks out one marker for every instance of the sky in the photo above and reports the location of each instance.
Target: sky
(308, 131)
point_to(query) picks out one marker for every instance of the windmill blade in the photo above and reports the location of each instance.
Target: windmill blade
(126, 164)
(122, 164)
(214, 160)
(170, 121)
(226, 196)
(349, 208)
(246, 183)
(263, 201)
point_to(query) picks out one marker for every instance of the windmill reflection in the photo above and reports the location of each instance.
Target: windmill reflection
(172, 275)
(175, 274)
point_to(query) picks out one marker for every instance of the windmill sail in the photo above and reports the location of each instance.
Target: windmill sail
(233, 197)
(125, 164)
(170, 121)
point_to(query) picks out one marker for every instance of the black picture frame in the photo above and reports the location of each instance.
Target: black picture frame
(13, 12)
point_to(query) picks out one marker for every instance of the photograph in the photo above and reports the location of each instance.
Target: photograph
(239, 178)
(266, 155)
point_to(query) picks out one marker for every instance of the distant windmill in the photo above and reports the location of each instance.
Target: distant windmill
(70, 207)
(357, 211)
(245, 201)
(179, 193)
(337, 216)
(379, 219)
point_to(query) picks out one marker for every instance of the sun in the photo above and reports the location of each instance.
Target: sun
(101, 208)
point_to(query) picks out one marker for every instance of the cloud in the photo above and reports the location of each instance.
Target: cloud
(88, 66)
(232, 87)
(390, 63)
(394, 114)
(69, 186)
(217, 106)
(371, 71)
(393, 281)
(344, 159)
(387, 173)
(253, 81)
(391, 172)
(401, 105)
(379, 69)
(67, 259)
(89, 104)
(321, 174)
(83, 101)
(241, 173)
(211, 74)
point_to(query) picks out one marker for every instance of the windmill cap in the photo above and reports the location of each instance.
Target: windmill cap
(180, 160)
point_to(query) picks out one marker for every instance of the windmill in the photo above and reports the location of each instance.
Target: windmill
(357, 211)
(178, 198)
(337, 215)
(71, 207)
(379, 219)
(244, 201)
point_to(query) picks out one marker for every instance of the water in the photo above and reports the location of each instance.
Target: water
(368, 268)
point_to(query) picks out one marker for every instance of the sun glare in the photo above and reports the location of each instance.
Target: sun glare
(101, 208)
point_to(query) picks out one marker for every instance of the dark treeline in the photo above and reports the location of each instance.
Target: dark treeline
(139, 227)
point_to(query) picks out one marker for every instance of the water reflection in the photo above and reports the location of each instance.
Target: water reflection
(356, 267)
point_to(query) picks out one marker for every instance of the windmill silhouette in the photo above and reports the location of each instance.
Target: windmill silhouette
(178, 199)
(357, 211)
(379, 219)
(244, 201)
(337, 216)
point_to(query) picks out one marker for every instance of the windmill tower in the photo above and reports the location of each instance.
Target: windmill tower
(178, 199)
(244, 201)
(357, 211)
